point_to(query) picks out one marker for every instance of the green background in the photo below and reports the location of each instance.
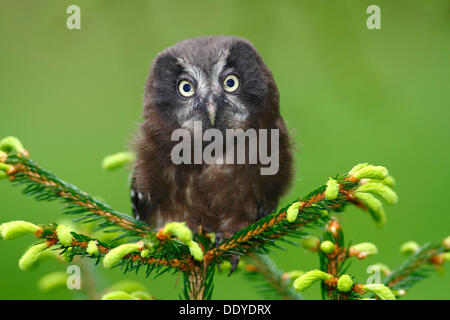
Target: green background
(348, 95)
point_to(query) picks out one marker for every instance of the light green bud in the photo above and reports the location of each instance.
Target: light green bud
(118, 295)
(127, 286)
(379, 217)
(64, 235)
(327, 247)
(31, 256)
(386, 193)
(179, 230)
(310, 242)
(292, 211)
(52, 281)
(195, 250)
(446, 243)
(399, 292)
(3, 156)
(10, 144)
(446, 256)
(92, 248)
(409, 247)
(388, 181)
(365, 248)
(309, 278)
(3, 175)
(380, 290)
(292, 275)
(369, 200)
(14, 229)
(332, 190)
(345, 283)
(145, 253)
(115, 255)
(374, 205)
(117, 160)
(357, 168)
(5, 167)
(212, 237)
(380, 266)
(141, 295)
(372, 172)
(225, 266)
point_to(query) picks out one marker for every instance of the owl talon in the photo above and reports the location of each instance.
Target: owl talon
(219, 238)
(234, 261)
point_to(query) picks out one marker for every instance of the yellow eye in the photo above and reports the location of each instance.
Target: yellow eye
(231, 83)
(186, 89)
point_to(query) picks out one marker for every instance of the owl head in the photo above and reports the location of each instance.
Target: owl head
(221, 81)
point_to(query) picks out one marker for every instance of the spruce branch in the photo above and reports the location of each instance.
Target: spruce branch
(272, 282)
(311, 211)
(163, 255)
(343, 287)
(427, 259)
(198, 282)
(176, 248)
(334, 257)
(45, 186)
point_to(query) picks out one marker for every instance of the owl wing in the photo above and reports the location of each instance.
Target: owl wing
(141, 205)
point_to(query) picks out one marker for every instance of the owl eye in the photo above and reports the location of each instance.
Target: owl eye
(186, 89)
(231, 83)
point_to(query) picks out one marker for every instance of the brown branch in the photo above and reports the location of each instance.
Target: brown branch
(241, 241)
(21, 169)
(272, 275)
(49, 234)
(433, 256)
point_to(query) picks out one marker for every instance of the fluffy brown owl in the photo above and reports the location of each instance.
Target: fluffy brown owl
(223, 83)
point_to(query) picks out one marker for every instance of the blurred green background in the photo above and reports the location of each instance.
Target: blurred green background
(348, 95)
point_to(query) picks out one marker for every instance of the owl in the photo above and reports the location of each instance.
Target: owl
(223, 83)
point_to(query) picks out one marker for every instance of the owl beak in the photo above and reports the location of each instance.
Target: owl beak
(211, 108)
